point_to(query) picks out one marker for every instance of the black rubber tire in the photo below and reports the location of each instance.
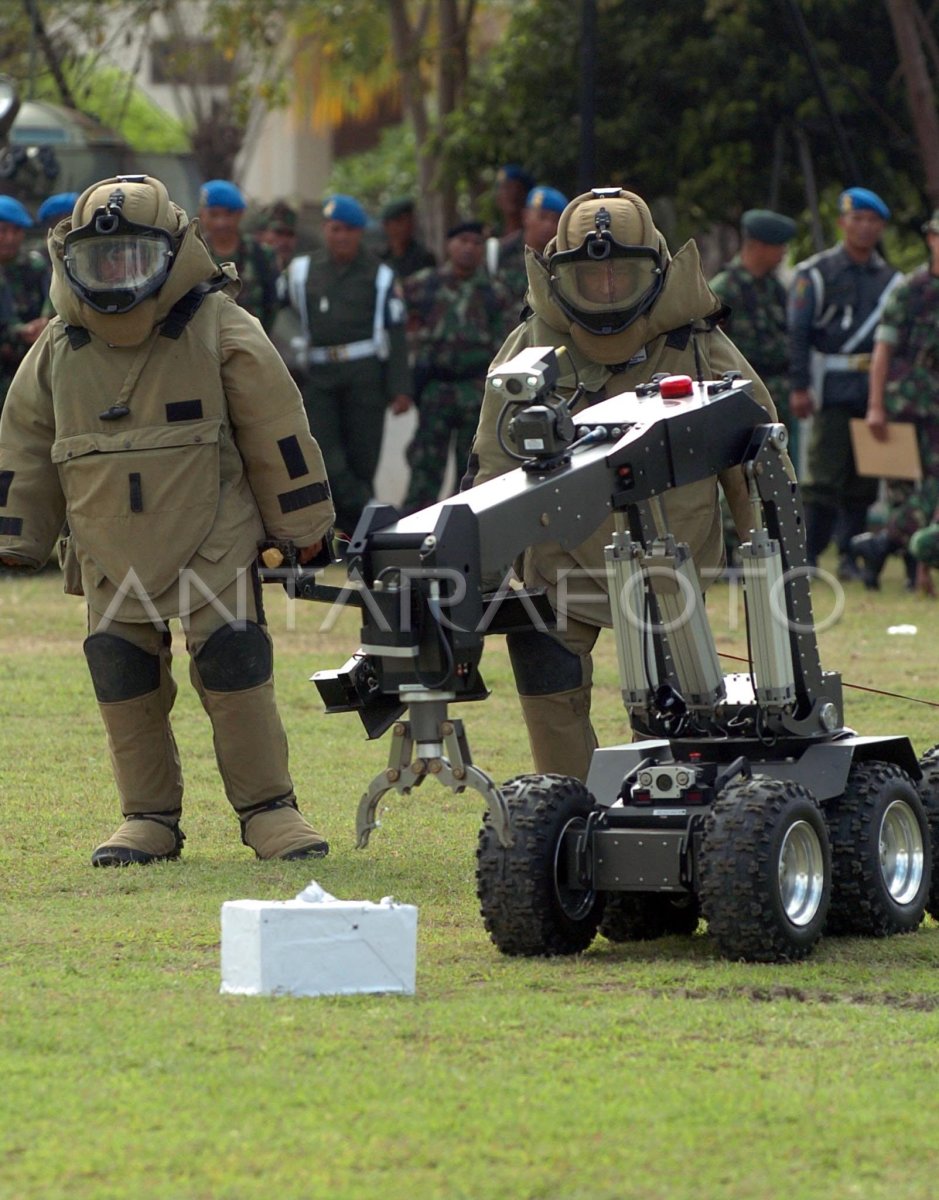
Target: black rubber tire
(861, 902)
(644, 916)
(928, 788)
(741, 849)
(526, 902)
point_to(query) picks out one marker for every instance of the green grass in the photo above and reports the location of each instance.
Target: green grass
(653, 1070)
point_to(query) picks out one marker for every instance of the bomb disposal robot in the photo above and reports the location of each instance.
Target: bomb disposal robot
(748, 802)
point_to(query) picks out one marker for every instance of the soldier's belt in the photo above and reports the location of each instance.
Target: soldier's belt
(847, 362)
(350, 352)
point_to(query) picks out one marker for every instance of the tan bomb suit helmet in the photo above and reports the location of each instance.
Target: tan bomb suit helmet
(124, 236)
(606, 269)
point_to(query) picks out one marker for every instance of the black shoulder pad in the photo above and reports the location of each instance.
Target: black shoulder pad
(187, 306)
(77, 336)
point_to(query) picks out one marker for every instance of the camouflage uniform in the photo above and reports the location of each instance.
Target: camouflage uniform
(458, 325)
(757, 326)
(924, 544)
(415, 258)
(910, 324)
(257, 269)
(505, 259)
(24, 295)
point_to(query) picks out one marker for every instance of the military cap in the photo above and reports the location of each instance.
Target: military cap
(397, 208)
(932, 225)
(345, 209)
(221, 193)
(464, 227)
(14, 213)
(54, 208)
(765, 226)
(517, 173)
(281, 216)
(855, 198)
(546, 198)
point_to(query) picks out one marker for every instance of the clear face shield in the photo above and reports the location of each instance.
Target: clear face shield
(603, 285)
(114, 264)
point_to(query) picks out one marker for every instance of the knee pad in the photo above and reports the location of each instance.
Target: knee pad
(119, 669)
(542, 665)
(235, 658)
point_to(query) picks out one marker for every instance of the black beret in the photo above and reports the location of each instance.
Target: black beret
(465, 227)
(769, 227)
(397, 208)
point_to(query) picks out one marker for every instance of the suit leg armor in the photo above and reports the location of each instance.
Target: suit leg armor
(233, 674)
(554, 687)
(135, 693)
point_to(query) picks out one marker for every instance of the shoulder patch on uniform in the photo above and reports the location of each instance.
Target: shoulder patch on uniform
(11, 526)
(6, 478)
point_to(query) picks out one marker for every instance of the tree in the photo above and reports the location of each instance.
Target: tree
(913, 36)
(692, 106)
(353, 54)
(64, 51)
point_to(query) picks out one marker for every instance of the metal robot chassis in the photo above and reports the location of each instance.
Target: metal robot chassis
(747, 801)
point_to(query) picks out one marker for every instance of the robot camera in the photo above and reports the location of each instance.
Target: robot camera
(528, 376)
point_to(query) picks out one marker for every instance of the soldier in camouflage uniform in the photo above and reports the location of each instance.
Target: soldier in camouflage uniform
(904, 386)
(278, 231)
(24, 291)
(505, 257)
(402, 251)
(221, 207)
(458, 318)
(757, 302)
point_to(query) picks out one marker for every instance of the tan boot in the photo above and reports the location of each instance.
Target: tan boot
(278, 830)
(141, 838)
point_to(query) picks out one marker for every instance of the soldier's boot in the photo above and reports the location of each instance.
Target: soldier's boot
(852, 521)
(819, 525)
(233, 674)
(910, 571)
(135, 692)
(873, 549)
(554, 687)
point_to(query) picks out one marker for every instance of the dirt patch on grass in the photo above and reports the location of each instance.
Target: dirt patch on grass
(771, 995)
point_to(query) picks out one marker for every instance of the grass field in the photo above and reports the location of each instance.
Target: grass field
(654, 1070)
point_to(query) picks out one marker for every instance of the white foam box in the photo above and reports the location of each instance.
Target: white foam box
(295, 948)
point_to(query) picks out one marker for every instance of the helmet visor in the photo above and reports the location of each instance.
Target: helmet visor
(113, 272)
(605, 286)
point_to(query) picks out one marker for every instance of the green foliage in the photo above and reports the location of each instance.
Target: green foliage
(652, 1070)
(115, 100)
(691, 104)
(376, 176)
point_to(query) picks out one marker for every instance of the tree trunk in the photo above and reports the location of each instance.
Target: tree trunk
(48, 53)
(406, 41)
(905, 17)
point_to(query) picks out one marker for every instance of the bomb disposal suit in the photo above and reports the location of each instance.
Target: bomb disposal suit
(155, 417)
(609, 292)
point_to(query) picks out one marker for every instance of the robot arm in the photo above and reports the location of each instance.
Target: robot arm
(425, 611)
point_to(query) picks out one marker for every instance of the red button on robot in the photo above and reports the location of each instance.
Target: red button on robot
(673, 387)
